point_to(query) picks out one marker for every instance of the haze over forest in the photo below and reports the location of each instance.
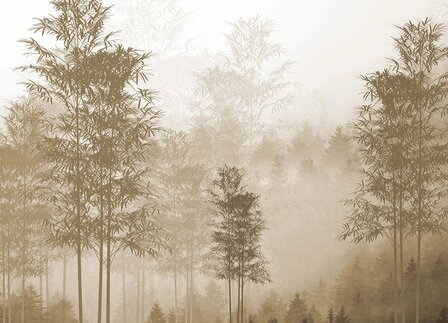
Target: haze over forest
(242, 161)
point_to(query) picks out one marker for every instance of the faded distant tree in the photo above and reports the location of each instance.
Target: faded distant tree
(61, 311)
(195, 229)
(259, 89)
(25, 127)
(9, 236)
(154, 25)
(213, 301)
(174, 156)
(272, 307)
(182, 185)
(297, 309)
(33, 307)
(233, 97)
(339, 148)
(306, 143)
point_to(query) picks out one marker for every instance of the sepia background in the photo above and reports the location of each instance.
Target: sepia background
(299, 155)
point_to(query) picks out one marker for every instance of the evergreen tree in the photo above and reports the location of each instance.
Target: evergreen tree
(341, 317)
(330, 316)
(297, 310)
(272, 307)
(61, 311)
(443, 315)
(32, 310)
(339, 148)
(213, 301)
(156, 315)
(307, 143)
(171, 318)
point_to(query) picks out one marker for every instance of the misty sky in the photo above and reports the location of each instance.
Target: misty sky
(331, 41)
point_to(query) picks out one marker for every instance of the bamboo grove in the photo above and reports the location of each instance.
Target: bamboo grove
(143, 182)
(403, 149)
(80, 176)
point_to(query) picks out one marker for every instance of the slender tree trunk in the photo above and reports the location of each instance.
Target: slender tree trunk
(47, 284)
(78, 216)
(238, 300)
(138, 292)
(108, 246)
(230, 300)
(3, 284)
(402, 299)
(419, 216)
(100, 283)
(22, 316)
(41, 290)
(242, 300)
(109, 235)
(395, 250)
(143, 290)
(101, 250)
(187, 289)
(9, 276)
(123, 277)
(108, 265)
(23, 251)
(191, 287)
(417, 296)
(176, 310)
(64, 284)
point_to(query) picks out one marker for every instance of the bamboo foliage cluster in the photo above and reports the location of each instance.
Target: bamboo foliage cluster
(403, 151)
(185, 216)
(236, 235)
(235, 96)
(99, 143)
(22, 210)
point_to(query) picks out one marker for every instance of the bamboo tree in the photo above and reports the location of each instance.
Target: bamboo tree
(421, 52)
(7, 189)
(25, 127)
(174, 157)
(224, 188)
(237, 229)
(128, 124)
(383, 137)
(77, 29)
(401, 149)
(234, 97)
(251, 263)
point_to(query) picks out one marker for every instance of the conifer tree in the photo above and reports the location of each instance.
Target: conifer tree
(330, 316)
(156, 315)
(341, 317)
(297, 310)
